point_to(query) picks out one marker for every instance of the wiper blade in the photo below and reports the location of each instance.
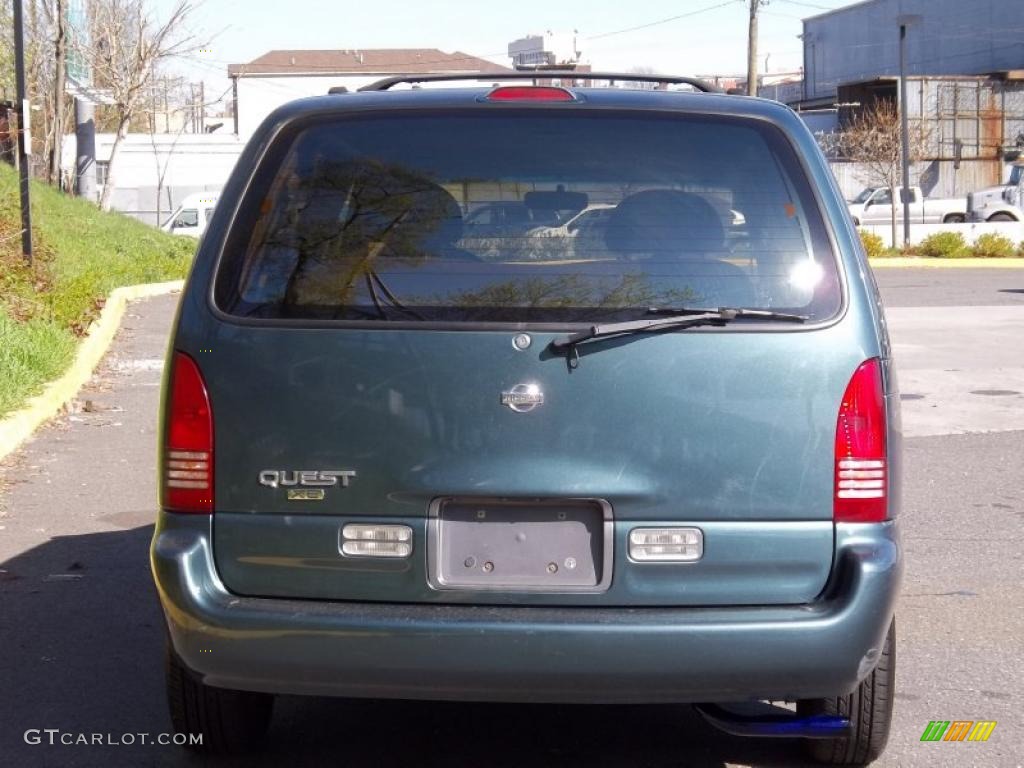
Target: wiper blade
(676, 318)
(641, 326)
(729, 312)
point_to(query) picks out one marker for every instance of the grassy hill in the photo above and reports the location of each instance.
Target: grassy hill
(82, 254)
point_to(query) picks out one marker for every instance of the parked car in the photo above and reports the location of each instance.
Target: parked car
(390, 467)
(586, 230)
(874, 206)
(593, 214)
(192, 216)
(582, 235)
(999, 203)
(491, 228)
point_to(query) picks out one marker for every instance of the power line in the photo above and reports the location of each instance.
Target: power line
(333, 69)
(662, 21)
(808, 5)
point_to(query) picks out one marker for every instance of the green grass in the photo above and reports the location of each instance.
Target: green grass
(82, 254)
(32, 352)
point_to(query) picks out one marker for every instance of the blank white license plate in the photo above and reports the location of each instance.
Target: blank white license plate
(516, 546)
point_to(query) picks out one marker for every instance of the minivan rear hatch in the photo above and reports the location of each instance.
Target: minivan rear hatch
(378, 352)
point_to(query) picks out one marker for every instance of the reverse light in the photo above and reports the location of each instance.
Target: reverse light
(359, 540)
(666, 545)
(861, 471)
(188, 455)
(530, 93)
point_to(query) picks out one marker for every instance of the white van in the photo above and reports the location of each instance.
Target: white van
(191, 217)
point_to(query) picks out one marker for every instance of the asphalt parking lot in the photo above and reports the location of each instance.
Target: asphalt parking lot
(81, 632)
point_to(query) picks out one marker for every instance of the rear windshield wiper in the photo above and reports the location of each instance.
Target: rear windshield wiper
(676, 318)
(732, 312)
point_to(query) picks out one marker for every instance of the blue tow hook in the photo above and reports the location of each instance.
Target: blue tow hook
(779, 723)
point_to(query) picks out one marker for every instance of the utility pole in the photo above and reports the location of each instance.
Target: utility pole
(85, 152)
(904, 22)
(80, 75)
(24, 133)
(167, 108)
(234, 101)
(60, 44)
(755, 5)
(904, 138)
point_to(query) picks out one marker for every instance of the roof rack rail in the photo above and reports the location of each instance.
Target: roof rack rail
(545, 74)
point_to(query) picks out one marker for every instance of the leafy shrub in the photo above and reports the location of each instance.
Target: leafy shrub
(944, 245)
(874, 245)
(993, 246)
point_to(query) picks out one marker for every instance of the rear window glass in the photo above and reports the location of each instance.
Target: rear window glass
(501, 216)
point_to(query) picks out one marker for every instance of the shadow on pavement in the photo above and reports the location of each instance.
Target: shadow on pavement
(82, 637)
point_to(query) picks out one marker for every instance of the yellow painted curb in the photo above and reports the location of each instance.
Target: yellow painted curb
(19, 426)
(917, 261)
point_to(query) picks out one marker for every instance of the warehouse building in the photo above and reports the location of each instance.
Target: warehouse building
(965, 67)
(860, 42)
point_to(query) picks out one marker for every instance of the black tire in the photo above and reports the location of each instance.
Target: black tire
(231, 722)
(954, 218)
(1002, 217)
(869, 708)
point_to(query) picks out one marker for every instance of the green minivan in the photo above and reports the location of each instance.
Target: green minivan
(406, 458)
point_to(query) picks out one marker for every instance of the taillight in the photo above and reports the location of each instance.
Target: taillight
(188, 458)
(530, 93)
(861, 482)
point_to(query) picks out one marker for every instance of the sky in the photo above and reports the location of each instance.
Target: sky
(709, 38)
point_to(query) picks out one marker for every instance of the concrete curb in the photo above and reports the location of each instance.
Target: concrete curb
(18, 426)
(970, 262)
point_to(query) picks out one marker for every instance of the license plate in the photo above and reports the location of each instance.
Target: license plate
(521, 546)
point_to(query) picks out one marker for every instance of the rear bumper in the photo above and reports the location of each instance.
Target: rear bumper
(554, 654)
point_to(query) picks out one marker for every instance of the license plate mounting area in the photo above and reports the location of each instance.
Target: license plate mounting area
(520, 545)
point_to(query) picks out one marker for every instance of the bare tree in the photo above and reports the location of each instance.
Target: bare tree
(58, 23)
(45, 49)
(872, 139)
(169, 150)
(127, 47)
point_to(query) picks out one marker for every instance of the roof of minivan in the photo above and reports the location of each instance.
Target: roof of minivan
(622, 98)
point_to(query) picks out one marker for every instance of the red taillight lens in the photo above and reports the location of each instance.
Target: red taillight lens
(861, 482)
(530, 93)
(188, 458)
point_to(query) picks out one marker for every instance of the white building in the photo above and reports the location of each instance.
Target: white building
(274, 78)
(188, 163)
(552, 49)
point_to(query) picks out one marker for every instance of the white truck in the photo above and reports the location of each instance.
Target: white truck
(874, 206)
(999, 203)
(191, 217)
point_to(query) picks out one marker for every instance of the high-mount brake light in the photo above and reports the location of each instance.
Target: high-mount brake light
(188, 458)
(861, 472)
(530, 93)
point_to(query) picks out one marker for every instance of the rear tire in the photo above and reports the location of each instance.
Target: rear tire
(955, 218)
(869, 708)
(231, 722)
(1001, 217)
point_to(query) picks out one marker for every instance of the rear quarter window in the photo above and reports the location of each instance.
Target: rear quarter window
(526, 217)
